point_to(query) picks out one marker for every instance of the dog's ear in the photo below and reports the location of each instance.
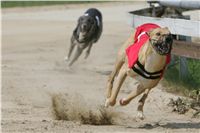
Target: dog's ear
(167, 29)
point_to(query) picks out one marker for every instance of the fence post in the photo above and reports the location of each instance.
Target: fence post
(184, 72)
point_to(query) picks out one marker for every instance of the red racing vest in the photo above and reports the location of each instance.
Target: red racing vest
(140, 39)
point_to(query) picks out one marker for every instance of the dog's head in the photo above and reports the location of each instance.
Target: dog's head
(161, 39)
(85, 26)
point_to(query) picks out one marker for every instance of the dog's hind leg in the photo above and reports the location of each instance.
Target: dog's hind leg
(141, 104)
(118, 83)
(77, 54)
(124, 101)
(88, 50)
(118, 65)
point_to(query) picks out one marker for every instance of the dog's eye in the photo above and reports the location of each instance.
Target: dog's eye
(158, 34)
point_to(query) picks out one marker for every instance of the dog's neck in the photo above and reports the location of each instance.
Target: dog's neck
(151, 60)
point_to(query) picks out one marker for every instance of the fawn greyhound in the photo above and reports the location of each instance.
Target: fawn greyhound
(144, 57)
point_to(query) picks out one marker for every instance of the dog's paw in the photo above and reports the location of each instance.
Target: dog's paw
(140, 115)
(66, 59)
(123, 102)
(107, 103)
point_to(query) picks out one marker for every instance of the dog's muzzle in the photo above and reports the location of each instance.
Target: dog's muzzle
(84, 28)
(163, 47)
(83, 32)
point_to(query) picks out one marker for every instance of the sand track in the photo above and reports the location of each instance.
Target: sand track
(34, 44)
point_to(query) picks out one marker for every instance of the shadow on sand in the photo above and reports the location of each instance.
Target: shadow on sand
(172, 125)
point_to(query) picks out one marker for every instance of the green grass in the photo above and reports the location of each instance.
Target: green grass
(9, 4)
(175, 84)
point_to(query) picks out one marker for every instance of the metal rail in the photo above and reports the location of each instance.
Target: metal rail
(177, 26)
(184, 4)
(186, 49)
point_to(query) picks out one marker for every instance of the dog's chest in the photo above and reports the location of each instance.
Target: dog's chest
(155, 62)
(82, 45)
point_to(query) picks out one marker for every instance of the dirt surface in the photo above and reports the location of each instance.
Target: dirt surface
(34, 44)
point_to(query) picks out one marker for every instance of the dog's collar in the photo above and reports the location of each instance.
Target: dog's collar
(145, 74)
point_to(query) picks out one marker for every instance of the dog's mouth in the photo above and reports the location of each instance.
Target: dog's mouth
(162, 47)
(84, 29)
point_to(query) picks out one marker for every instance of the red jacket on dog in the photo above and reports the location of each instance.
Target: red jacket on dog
(139, 39)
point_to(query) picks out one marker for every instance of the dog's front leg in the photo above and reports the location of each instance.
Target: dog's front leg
(118, 64)
(77, 54)
(141, 104)
(73, 43)
(88, 50)
(118, 83)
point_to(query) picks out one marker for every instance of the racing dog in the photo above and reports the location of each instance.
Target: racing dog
(87, 32)
(144, 57)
